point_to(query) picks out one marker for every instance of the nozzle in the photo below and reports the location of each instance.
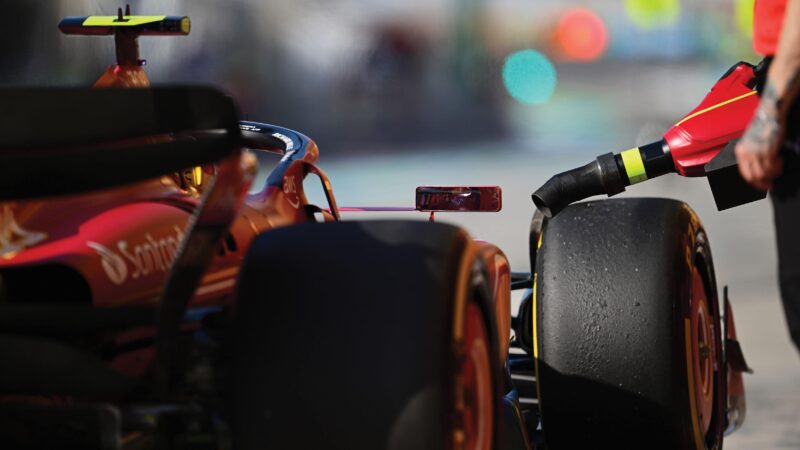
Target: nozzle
(608, 174)
(601, 176)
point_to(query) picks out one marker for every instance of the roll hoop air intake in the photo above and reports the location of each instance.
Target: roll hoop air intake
(609, 174)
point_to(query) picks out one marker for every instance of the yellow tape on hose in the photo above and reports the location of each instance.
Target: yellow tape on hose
(111, 21)
(634, 166)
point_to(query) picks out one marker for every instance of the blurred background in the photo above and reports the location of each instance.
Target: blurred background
(508, 92)
(374, 76)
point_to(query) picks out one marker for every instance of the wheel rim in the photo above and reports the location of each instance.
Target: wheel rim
(703, 352)
(474, 425)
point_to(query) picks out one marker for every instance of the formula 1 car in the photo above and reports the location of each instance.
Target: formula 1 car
(178, 311)
(120, 324)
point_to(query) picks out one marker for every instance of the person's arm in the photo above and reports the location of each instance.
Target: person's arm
(758, 152)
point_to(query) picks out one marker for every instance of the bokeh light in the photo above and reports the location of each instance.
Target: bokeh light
(650, 14)
(582, 34)
(744, 16)
(529, 77)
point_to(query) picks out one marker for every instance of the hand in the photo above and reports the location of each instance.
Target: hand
(758, 152)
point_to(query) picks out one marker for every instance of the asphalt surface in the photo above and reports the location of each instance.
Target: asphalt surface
(742, 242)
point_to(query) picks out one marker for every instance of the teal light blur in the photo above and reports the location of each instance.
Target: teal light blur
(529, 77)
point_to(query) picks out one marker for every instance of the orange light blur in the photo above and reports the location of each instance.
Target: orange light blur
(582, 35)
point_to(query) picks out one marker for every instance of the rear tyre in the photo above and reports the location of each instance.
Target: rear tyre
(627, 326)
(371, 335)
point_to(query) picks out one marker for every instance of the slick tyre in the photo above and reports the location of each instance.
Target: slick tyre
(627, 328)
(364, 335)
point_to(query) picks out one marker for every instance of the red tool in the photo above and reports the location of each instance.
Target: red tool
(700, 144)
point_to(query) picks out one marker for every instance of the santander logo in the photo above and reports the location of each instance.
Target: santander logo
(141, 259)
(113, 265)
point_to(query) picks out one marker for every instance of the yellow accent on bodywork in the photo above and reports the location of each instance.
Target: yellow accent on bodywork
(698, 438)
(197, 173)
(111, 21)
(634, 166)
(186, 25)
(535, 338)
(462, 286)
(713, 107)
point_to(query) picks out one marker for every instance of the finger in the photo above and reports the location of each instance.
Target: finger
(741, 153)
(757, 172)
(773, 166)
(759, 179)
(744, 167)
(757, 182)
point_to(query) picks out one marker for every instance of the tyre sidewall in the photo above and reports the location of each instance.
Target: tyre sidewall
(651, 389)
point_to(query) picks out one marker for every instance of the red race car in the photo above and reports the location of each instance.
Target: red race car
(127, 292)
(177, 310)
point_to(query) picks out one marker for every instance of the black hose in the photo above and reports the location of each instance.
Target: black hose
(602, 176)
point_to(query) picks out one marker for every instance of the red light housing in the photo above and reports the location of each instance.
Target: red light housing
(459, 198)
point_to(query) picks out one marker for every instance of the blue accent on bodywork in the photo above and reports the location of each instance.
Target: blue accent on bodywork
(197, 314)
(297, 151)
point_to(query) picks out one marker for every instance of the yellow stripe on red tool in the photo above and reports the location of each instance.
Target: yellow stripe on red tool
(634, 166)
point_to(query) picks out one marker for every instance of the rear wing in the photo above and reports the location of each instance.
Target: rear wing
(57, 141)
(141, 25)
